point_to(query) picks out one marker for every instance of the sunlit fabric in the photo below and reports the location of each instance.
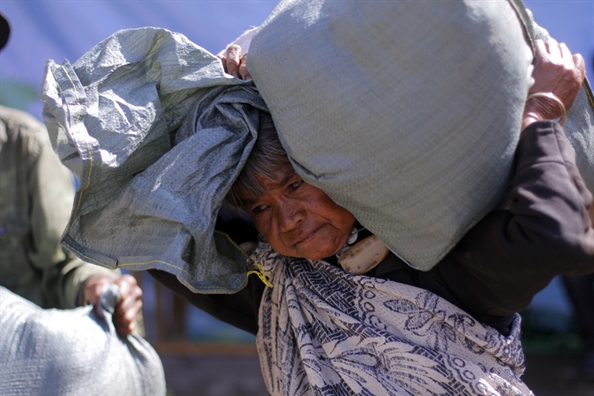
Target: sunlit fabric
(156, 133)
(325, 331)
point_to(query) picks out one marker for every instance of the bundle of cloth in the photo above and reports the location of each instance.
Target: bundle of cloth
(72, 352)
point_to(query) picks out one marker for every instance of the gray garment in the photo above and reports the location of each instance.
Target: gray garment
(324, 331)
(72, 352)
(149, 193)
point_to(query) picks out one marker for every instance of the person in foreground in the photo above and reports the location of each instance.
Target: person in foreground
(36, 195)
(391, 329)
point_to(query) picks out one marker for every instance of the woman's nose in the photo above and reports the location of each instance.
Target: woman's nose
(290, 215)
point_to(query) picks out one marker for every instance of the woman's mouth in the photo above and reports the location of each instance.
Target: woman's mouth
(308, 237)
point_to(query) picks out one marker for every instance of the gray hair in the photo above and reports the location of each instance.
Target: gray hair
(268, 159)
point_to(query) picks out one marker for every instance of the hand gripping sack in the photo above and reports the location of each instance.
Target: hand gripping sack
(72, 352)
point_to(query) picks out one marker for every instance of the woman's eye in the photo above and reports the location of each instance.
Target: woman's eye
(259, 209)
(295, 185)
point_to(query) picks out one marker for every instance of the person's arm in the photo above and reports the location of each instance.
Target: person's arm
(512, 254)
(51, 190)
(237, 309)
(127, 310)
(66, 280)
(557, 73)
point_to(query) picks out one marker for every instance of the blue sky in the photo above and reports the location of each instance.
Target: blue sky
(66, 29)
(58, 29)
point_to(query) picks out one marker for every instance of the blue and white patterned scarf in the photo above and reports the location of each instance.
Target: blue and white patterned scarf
(325, 332)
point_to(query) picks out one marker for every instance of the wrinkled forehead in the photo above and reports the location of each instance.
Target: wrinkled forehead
(254, 188)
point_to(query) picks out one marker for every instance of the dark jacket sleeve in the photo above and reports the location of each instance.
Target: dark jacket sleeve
(511, 255)
(238, 309)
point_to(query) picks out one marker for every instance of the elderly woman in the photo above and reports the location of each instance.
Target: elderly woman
(386, 328)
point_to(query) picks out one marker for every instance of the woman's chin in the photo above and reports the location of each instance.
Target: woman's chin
(319, 252)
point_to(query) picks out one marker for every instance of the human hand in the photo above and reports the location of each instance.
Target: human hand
(130, 304)
(556, 72)
(234, 63)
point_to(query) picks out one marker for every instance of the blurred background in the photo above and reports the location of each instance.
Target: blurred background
(201, 355)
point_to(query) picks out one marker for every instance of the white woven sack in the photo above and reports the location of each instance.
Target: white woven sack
(407, 113)
(72, 352)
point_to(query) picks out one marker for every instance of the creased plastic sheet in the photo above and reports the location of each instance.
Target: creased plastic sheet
(72, 352)
(156, 133)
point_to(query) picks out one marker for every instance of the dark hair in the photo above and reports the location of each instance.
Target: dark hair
(268, 159)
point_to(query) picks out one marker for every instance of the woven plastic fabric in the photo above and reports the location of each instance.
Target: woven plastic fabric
(406, 113)
(413, 130)
(156, 133)
(72, 352)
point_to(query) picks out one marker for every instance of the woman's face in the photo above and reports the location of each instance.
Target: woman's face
(298, 219)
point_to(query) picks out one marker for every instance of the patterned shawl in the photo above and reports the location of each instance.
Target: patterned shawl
(324, 331)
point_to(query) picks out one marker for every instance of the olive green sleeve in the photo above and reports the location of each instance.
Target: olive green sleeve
(73, 273)
(51, 187)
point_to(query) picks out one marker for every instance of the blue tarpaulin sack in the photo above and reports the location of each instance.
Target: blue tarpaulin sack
(156, 132)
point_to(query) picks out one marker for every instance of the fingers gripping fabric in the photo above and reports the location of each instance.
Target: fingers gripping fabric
(72, 352)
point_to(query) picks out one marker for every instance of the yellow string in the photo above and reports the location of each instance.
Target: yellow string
(258, 270)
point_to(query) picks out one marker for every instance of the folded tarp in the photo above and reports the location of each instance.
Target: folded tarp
(156, 133)
(72, 352)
